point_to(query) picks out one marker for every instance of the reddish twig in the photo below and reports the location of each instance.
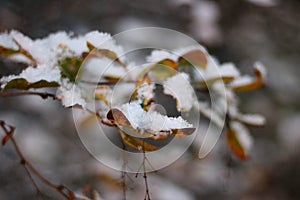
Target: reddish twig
(30, 169)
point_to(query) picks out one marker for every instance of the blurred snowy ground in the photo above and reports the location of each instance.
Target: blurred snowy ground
(233, 30)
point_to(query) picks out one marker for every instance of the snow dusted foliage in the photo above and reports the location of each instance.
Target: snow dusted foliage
(92, 68)
(179, 86)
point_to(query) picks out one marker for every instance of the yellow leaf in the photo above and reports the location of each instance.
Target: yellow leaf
(117, 117)
(195, 57)
(255, 83)
(161, 70)
(99, 53)
(235, 145)
(136, 143)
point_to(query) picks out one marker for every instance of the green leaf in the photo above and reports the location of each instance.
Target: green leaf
(70, 67)
(23, 84)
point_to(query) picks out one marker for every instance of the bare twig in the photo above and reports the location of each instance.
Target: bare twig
(147, 193)
(124, 173)
(30, 169)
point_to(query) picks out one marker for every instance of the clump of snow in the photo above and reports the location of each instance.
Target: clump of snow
(184, 50)
(145, 91)
(7, 41)
(242, 134)
(179, 87)
(104, 41)
(159, 55)
(152, 120)
(70, 94)
(229, 70)
(35, 74)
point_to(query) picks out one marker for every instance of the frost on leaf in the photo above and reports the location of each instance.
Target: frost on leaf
(132, 115)
(196, 57)
(70, 94)
(179, 87)
(246, 83)
(32, 77)
(239, 140)
(159, 55)
(252, 119)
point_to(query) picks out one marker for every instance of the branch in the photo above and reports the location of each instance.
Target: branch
(30, 169)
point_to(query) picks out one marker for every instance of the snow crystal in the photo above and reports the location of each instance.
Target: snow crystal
(151, 120)
(179, 87)
(70, 94)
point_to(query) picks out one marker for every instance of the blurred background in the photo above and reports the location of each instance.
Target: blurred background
(241, 31)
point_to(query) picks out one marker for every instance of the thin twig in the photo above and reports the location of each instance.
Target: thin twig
(124, 173)
(147, 193)
(64, 191)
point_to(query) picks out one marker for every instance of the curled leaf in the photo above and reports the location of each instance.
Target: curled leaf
(136, 143)
(117, 117)
(246, 83)
(239, 140)
(99, 53)
(195, 57)
(134, 118)
(160, 70)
